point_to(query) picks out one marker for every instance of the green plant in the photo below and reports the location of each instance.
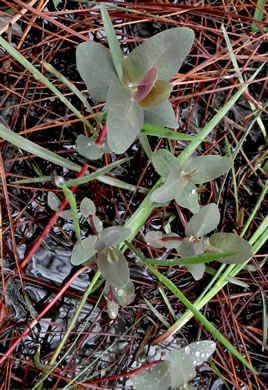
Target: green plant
(181, 179)
(195, 243)
(136, 88)
(177, 371)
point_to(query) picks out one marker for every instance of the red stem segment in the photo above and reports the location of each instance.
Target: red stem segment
(102, 135)
(123, 374)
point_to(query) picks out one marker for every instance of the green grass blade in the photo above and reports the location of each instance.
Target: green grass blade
(205, 258)
(39, 151)
(159, 131)
(72, 202)
(40, 77)
(114, 46)
(95, 175)
(258, 14)
(264, 321)
(156, 313)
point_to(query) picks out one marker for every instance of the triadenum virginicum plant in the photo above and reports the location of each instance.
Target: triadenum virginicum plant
(181, 179)
(135, 88)
(195, 243)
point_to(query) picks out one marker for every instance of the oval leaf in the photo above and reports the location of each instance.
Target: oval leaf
(164, 161)
(154, 239)
(188, 249)
(84, 250)
(126, 294)
(124, 120)
(171, 241)
(96, 68)
(159, 93)
(113, 267)
(53, 201)
(228, 241)
(153, 378)
(87, 147)
(188, 198)
(200, 351)
(181, 368)
(87, 207)
(161, 115)
(206, 168)
(166, 51)
(112, 236)
(202, 223)
(67, 215)
(97, 223)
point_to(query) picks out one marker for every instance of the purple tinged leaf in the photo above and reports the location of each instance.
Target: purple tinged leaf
(161, 115)
(228, 241)
(95, 65)
(124, 120)
(112, 236)
(160, 92)
(202, 223)
(113, 267)
(145, 85)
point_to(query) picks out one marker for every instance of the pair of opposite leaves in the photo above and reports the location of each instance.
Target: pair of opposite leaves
(136, 88)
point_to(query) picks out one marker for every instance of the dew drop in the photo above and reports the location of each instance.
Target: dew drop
(120, 293)
(202, 355)
(197, 354)
(187, 350)
(193, 192)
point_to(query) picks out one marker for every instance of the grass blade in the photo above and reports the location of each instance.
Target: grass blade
(159, 131)
(114, 46)
(39, 151)
(72, 202)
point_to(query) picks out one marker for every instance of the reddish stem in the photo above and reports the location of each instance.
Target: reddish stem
(123, 374)
(102, 135)
(50, 224)
(41, 315)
